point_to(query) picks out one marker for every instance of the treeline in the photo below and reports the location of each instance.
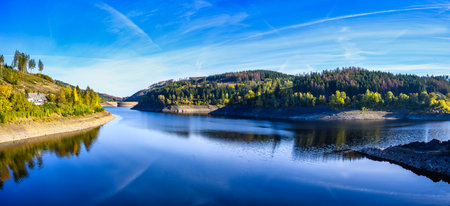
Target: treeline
(14, 105)
(23, 62)
(339, 89)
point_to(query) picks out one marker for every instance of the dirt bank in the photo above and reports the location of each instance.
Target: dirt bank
(119, 104)
(319, 113)
(193, 109)
(31, 129)
(108, 104)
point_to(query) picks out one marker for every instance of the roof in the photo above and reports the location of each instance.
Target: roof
(35, 96)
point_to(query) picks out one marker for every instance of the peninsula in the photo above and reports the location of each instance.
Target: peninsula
(341, 94)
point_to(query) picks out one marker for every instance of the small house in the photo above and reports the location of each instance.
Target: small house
(36, 98)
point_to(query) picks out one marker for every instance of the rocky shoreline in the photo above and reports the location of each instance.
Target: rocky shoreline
(319, 113)
(32, 129)
(430, 159)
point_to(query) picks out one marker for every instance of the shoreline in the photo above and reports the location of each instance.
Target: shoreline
(427, 158)
(11, 133)
(319, 113)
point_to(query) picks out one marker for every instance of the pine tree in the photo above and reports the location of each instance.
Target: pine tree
(41, 66)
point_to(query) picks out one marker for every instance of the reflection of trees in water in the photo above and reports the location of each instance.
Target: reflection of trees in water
(315, 141)
(240, 137)
(15, 162)
(229, 136)
(338, 135)
(327, 140)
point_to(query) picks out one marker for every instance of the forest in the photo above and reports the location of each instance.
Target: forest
(346, 88)
(17, 80)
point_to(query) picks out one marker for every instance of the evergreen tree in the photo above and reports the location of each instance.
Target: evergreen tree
(41, 66)
(31, 64)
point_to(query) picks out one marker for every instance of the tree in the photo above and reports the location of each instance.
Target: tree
(76, 99)
(41, 66)
(389, 98)
(2, 62)
(337, 100)
(15, 61)
(31, 64)
(20, 61)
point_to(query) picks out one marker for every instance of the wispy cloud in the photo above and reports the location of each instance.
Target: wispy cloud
(441, 37)
(295, 26)
(122, 23)
(196, 6)
(216, 21)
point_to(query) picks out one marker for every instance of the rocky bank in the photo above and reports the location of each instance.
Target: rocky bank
(432, 157)
(318, 113)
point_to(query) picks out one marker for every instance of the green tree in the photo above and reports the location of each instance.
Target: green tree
(20, 61)
(389, 98)
(31, 64)
(2, 62)
(41, 66)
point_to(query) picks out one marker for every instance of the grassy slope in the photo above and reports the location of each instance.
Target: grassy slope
(34, 83)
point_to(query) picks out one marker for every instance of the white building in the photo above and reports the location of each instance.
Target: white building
(36, 98)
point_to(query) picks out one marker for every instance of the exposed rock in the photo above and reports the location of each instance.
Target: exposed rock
(318, 113)
(431, 157)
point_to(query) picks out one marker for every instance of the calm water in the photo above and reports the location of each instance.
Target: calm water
(153, 158)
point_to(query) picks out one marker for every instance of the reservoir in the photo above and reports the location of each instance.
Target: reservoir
(148, 158)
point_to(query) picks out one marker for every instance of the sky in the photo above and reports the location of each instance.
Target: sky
(120, 47)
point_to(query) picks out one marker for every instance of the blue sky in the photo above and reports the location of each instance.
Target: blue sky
(119, 47)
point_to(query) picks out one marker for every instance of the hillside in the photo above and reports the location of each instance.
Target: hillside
(22, 82)
(104, 97)
(50, 99)
(347, 88)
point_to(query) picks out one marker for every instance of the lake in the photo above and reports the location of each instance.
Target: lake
(164, 159)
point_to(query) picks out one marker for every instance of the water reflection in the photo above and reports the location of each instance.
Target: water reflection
(312, 141)
(17, 160)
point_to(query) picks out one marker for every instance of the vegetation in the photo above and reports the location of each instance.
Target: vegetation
(61, 100)
(340, 89)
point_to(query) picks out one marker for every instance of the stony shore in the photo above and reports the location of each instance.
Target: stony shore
(32, 129)
(432, 157)
(319, 113)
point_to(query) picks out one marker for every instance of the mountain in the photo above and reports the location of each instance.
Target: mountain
(344, 88)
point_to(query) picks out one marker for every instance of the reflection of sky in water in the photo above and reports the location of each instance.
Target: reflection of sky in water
(153, 158)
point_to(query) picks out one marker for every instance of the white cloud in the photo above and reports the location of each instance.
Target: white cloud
(216, 21)
(296, 26)
(121, 24)
(419, 69)
(196, 6)
(444, 38)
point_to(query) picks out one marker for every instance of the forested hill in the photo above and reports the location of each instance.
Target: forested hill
(59, 99)
(340, 89)
(103, 96)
